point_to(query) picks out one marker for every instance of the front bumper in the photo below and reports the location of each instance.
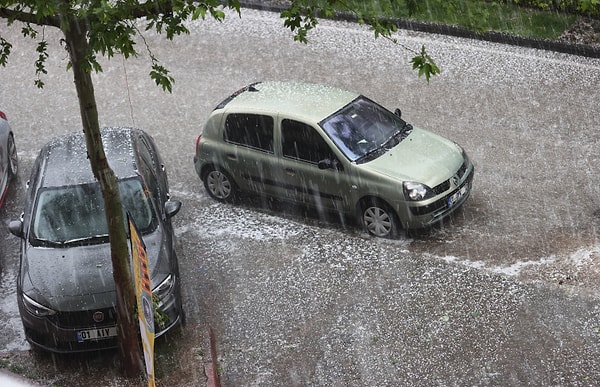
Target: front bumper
(426, 214)
(61, 333)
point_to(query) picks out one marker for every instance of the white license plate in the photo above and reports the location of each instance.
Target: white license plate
(457, 195)
(97, 334)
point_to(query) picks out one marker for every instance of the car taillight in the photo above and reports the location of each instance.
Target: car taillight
(3, 116)
(198, 142)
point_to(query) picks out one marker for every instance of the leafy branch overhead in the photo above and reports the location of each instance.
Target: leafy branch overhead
(112, 26)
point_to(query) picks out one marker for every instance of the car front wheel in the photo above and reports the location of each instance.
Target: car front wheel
(378, 219)
(219, 185)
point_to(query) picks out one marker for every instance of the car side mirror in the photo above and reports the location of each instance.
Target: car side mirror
(329, 164)
(172, 207)
(16, 228)
(398, 112)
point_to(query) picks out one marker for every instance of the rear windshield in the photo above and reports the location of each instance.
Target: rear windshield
(76, 213)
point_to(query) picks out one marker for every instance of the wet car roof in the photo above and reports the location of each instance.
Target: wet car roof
(311, 102)
(66, 161)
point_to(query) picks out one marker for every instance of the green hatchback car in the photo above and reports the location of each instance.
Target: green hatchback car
(335, 150)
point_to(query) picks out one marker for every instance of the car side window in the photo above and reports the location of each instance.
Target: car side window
(147, 169)
(302, 142)
(250, 130)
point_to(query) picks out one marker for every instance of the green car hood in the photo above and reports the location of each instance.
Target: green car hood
(422, 157)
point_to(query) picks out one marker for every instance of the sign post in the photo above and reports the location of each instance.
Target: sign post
(143, 292)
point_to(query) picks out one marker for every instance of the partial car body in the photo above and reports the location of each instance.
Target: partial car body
(9, 160)
(332, 149)
(65, 288)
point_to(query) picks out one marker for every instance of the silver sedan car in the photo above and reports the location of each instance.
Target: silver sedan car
(9, 161)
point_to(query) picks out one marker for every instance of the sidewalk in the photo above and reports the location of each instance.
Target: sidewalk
(8, 379)
(572, 47)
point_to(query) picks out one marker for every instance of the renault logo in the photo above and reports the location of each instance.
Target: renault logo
(455, 180)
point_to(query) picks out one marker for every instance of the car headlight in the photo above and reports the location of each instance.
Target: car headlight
(165, 287)
(35, 308)
(416, 191)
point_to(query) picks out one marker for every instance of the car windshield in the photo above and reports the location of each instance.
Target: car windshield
(363, 128)
(76, 213)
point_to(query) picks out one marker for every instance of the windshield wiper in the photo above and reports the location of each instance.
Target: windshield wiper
(388, 144)
(398, 136)
(379, 150)
(50, 243)
(90, 239)
(392, 141)
(372, 154)
(44, 242)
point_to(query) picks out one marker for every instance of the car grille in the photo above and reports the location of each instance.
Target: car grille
(443, 202)
(85, 319)
(445, 186)
(438, 189)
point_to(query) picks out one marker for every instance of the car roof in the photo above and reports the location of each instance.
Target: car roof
(309, 101)
(66, 161)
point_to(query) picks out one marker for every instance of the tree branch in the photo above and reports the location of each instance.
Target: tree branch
(27, 17)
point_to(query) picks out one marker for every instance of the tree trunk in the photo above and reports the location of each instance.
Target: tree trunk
(127, 322)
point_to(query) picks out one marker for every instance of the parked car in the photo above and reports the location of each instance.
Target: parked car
(333, 149)
(65, 287)
(9, 161)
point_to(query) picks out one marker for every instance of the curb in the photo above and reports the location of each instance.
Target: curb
(443, 29)
(211, 368)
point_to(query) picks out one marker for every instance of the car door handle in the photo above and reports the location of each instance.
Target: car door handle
(290, 171)
(231, 156)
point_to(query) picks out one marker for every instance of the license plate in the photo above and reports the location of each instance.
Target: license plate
(97, 334)
(457, 195)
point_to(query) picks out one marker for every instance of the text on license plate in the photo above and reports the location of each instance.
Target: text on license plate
(457, 195)
(97, 334)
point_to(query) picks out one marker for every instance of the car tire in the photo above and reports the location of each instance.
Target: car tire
(219, 185)
(378, 219)
(13, 158)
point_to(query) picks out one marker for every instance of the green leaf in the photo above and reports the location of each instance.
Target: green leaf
(5, 47)
(199, 12)
(162, 78)
(40, 62)
(425, 65)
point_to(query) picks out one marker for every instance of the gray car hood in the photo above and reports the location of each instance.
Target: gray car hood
(79, 277)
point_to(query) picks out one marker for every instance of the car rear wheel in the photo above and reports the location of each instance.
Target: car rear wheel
(219, 185)
(378, 219)
(13, 159)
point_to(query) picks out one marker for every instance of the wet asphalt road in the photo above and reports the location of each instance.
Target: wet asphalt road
(504, 293)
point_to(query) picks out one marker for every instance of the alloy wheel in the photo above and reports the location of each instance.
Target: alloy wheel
(379, 221)
(219, 185)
